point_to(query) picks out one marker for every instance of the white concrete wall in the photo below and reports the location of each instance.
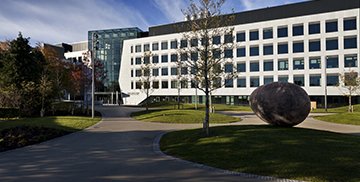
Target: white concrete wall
(136, 96)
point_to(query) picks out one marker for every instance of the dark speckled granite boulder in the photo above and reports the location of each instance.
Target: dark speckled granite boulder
(281, 104)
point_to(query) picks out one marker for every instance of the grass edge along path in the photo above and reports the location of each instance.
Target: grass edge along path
(181, 116)
(292, 153)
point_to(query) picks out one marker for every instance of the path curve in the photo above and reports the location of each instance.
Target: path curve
(117, 149)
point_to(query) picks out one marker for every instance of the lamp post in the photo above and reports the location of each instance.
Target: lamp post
(94, 49)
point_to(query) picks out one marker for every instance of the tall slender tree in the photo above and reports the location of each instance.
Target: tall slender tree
(204, 29)
(350, 86)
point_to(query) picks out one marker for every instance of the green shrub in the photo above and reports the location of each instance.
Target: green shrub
(9, 113)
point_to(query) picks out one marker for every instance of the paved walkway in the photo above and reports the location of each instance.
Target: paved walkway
(117, 149)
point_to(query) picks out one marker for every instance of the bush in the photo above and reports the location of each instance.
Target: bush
(9, 113)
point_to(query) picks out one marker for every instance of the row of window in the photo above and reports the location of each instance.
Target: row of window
(314, 81)
(268, 65)
(282, 31)
(283, 48)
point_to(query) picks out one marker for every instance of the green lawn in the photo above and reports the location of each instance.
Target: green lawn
(27, 131)
(181, 116)
(337, 109)
(341, 116)
(218, 107)
(292, 153)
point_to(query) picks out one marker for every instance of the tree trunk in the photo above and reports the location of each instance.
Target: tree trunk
(178, 97)
(350, 106)
(42, 111)
(207, 114)
(147, 100)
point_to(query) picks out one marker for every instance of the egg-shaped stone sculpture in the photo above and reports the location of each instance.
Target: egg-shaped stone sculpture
(281, 104)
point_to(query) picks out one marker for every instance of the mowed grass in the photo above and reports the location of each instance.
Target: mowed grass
(341, 116)
(181, 116)
(292, 153)
(66, 123)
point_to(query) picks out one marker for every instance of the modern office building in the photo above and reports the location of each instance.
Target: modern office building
(110, 46)
(301, 43)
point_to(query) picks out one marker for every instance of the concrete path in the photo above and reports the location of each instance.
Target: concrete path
(117, 149)
(249, 118)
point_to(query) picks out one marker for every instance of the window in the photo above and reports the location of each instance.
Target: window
(254, 82)
(241, 52)
(298, 30)
(350, 24)
(298, 47)
(283, 48)
(282, 32)
(229, 83)
(204, 41)
(132, 73)
(229, 68)
(315, 80)
(241, 83)
(164, 58)
(183, 43)
(155, 59)
(164, 71)
(216, 40)
(194, 56)
(174, 44)
(283, 64)
(147, 60)
(314, 28)
(350, 43)
(165, 84)
(184, 84)
(155, 46)
(174, 83)
(138, 85)
(155, 84)
(332, 62)
(350, 61)
(254, 51)
(132, 85)
(268, 65)
(283, 79)
(228, 38)
(164, 45)
(268, 49)
(228, 53)
(268, 33)
(298, 64)
(268, 79)
(184, 71)
(331, 26)
(194, 42)
(173, 71)
(254, 66)
(314, 45)
(132, 61)
(241, 67)
(216, 53)
(138, 48)
(131, 49)
(299, 80)
(332, 80)
(155, 72)
(240, 37)
(184, 57)
(254, 35)
(315, 63)
(138, 60)
(146, 47)
(137, 73)
(332, 44)
(174, 58)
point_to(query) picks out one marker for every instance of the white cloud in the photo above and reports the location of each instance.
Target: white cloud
(171, 9)
(256, 4)
(64, 21)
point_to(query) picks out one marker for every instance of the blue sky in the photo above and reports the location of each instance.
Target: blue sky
(55, 21)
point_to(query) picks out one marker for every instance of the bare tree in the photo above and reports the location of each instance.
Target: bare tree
(208, 52)
(350, 86)
(146, 77)
(45, 89)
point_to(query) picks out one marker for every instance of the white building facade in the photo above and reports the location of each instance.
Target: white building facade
(311, 49)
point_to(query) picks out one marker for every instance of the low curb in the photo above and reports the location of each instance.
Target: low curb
(156, 149)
